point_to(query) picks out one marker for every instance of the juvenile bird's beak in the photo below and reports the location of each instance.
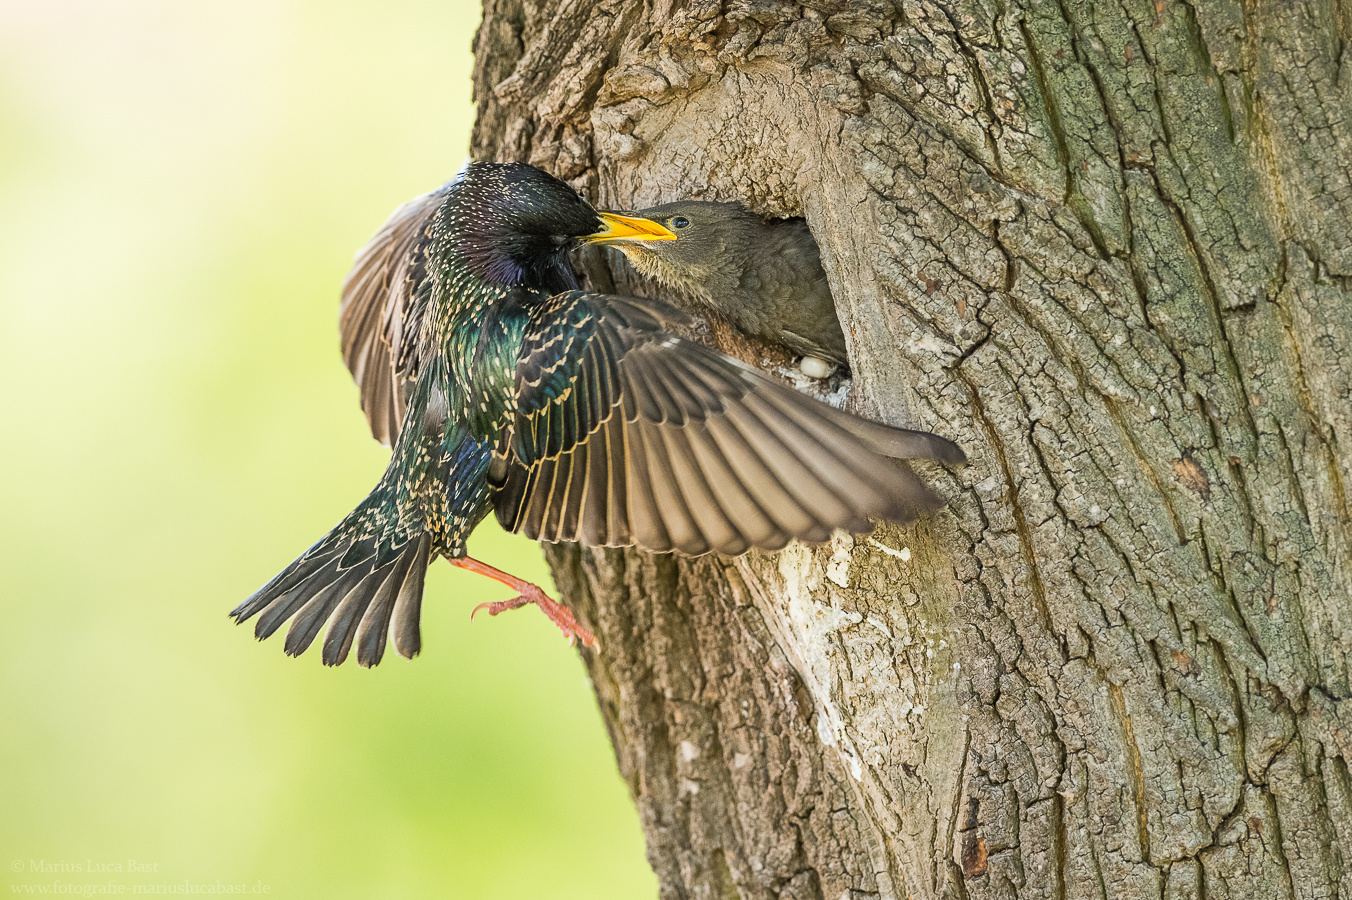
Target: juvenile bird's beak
(624, 229)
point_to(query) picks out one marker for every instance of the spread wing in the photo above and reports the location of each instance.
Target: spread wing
(628, 435)
(380, 318)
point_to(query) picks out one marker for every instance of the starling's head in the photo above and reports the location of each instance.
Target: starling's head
(515, 223)
(688, 244)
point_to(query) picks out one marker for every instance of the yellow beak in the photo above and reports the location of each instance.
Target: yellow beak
(623, 229)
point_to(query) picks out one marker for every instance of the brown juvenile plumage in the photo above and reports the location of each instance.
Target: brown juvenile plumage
(764, 277)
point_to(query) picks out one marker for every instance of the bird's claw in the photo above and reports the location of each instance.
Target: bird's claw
(557, 613)
(498, 606)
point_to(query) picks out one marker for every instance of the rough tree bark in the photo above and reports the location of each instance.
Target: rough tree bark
(1107, 248)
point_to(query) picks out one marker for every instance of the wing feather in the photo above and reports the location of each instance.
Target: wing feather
(667, 493)
(648, 528)
(705, 506)
(627, 434)
(378, 318)
(748, 517)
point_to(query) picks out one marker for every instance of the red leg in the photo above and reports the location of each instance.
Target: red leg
(526, 593)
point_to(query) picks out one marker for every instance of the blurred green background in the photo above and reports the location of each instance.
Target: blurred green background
(182, 187)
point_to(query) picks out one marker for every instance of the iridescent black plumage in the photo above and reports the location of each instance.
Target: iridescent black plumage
(574, 416)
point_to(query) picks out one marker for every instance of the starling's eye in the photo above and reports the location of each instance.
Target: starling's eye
(680, 222)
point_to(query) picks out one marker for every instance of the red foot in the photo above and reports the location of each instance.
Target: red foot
(527, 593)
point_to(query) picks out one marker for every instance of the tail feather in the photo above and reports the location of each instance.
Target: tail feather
(363, 581)
(294, 596)
(407, 609)
(360, 602)
(373, 625)
(306, 623)
(305, 565)
(343, 624)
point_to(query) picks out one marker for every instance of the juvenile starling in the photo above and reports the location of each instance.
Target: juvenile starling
(764, 277)
(574, 416)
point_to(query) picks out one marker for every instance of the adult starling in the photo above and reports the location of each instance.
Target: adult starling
(764, 277)
(574, 416)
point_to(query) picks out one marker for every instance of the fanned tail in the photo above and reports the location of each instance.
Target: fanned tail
(363, 590)
(364, 579)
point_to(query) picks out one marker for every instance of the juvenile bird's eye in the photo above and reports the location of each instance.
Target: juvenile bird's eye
(680, 222)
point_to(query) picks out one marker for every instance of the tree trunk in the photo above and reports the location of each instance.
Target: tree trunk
(1107, 248)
